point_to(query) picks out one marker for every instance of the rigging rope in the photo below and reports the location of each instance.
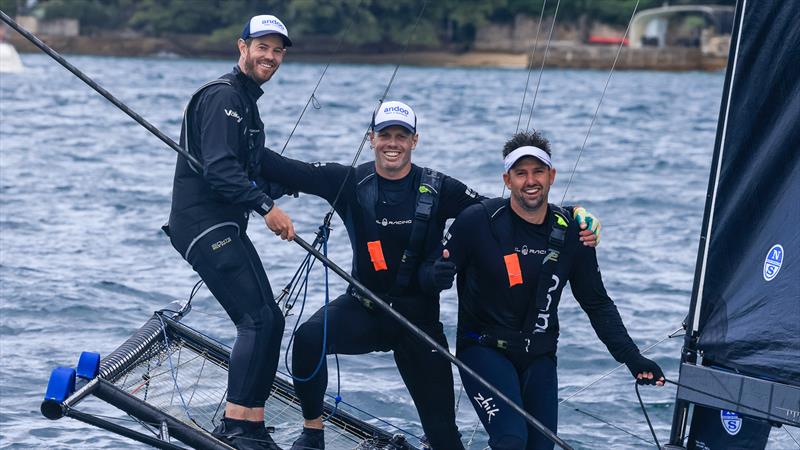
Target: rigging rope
(530, 66)
(646, 416)
(597, 110)
(616, 427)
(304, 287)
(380, 101)
(312, 97)
(786, 429)
(541, 70)
(323, 235)
(669, 336)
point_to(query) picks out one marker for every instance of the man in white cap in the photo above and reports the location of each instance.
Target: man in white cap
(395, 213)
(509, 286)
(210, 209)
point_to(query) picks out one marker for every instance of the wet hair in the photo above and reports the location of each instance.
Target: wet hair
(525, 138)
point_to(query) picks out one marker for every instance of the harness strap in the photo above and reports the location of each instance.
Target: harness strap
(186, 144)
(537, 315)
(537, 319)
(427, 194)
(425, 209)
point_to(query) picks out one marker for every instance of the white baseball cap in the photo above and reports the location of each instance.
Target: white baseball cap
(394, 113)
(263, 25)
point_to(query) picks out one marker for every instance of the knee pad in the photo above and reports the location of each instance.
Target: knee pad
(507, 442)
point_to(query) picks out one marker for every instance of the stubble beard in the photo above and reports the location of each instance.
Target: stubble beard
(250, 71)
(531, 206)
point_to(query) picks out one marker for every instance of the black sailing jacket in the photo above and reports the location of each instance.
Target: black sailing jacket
(223, 130)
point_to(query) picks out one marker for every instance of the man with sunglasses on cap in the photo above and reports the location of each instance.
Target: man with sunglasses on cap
(394, 212)
(509, 286)
(210, 210)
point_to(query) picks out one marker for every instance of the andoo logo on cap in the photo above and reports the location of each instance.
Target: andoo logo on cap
(398, 109)
(273, 22)
(773, 262)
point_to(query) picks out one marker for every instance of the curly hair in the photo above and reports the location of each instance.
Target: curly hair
(525, 138)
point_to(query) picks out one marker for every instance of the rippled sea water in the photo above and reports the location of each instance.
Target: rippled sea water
(84, 190)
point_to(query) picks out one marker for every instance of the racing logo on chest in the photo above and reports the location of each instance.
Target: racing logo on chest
(386, 222)
(525, 251)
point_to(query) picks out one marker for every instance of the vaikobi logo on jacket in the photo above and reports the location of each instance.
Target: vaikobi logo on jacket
(234, 114)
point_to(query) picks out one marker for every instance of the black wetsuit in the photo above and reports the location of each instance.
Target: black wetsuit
(208, 220)
(503, 333)
(354, 328)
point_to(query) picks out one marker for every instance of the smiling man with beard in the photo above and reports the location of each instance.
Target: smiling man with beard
(394, 212)
(513, 257)
(210, 209)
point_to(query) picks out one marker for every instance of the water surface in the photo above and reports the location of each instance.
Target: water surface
(84, 190)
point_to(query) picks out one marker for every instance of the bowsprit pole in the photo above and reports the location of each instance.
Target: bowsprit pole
(302, 243)
(100, 90)
(432, 343)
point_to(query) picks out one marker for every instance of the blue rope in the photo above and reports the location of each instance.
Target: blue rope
(324, 235)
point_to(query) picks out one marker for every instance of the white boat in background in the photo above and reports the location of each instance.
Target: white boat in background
(9, 59)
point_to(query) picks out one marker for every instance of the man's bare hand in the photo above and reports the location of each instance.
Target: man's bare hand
(280, 223)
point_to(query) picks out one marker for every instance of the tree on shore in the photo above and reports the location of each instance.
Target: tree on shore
(451, 23)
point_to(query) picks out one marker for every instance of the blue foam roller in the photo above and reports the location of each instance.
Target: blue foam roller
(61, 384)
(88, 365)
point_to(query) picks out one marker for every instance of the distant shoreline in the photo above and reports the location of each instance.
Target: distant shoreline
(560, 54)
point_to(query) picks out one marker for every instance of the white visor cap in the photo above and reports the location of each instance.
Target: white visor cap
(516, 155)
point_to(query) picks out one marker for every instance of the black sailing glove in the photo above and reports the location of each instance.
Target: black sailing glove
(443, 272)
(437, 276)
(639, 365)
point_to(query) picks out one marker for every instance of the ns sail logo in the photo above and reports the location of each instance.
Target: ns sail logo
(731, 422)
(773, 262)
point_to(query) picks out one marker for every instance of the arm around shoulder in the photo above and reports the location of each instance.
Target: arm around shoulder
(320, 179)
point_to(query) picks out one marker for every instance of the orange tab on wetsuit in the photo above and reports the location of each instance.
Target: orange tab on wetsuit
(513, 270)
(376, 255)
